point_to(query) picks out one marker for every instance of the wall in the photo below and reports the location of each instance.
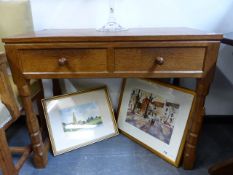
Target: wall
(209, 15)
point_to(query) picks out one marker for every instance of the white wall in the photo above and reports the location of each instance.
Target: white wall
(209, 15)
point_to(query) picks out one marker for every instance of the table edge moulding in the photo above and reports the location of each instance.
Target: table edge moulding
(87, 53)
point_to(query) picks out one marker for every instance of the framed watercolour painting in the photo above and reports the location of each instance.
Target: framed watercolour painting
(79, 119)
(155, 115)
(5, 114)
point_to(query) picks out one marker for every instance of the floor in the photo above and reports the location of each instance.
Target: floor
(119, 155)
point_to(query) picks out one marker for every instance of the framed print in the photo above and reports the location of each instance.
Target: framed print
(79, 119)
(5, 115)
(155, 115)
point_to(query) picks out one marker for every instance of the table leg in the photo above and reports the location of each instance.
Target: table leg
(41, 117)
(56, 87)
(202, 89)
(39, 149)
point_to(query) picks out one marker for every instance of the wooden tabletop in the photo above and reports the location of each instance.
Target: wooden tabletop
(228, 38)
(134, 34)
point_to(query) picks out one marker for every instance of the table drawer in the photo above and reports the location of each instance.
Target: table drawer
(64, 60)
(159, 59)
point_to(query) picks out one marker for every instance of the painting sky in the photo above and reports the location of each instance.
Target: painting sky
(82, 112)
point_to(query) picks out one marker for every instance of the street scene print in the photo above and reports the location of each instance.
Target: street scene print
(81, 117)
(152, 114)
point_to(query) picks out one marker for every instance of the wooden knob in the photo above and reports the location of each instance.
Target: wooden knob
(62, 61)
(159, 60)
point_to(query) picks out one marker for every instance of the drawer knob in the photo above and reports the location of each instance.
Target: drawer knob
(62, 61)
(159, 60)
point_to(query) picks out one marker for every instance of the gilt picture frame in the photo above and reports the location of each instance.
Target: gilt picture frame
(79, 119)
(156, 115)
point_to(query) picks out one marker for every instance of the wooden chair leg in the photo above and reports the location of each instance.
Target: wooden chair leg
(25, 151)
(6, 161)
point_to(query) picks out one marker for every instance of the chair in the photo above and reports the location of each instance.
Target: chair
(8, 97)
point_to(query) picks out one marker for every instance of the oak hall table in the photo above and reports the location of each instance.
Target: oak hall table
(86, 53)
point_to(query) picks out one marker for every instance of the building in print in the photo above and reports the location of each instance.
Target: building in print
(152, 114)
(144, 106)
(169, 113)
(134, 103)
(154, 108)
